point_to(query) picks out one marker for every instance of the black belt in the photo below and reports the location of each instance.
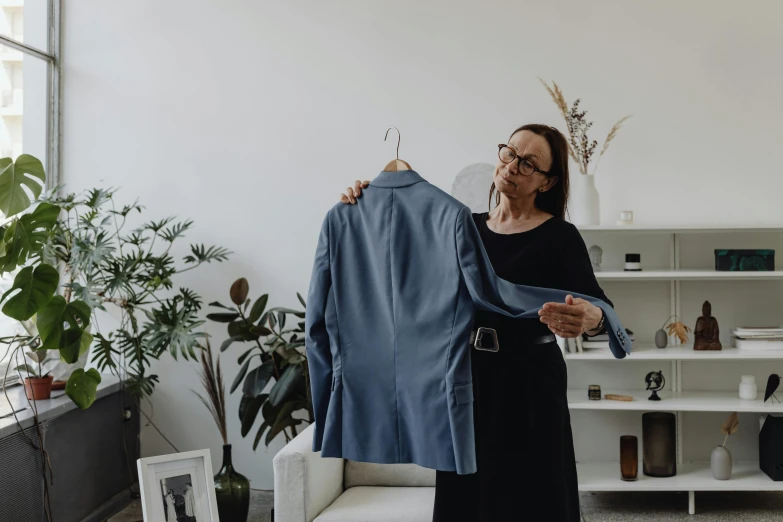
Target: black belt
(486, 339)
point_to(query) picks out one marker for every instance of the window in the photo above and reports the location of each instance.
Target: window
(29, 98)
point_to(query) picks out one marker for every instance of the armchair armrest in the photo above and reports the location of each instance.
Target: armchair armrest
(305, 483)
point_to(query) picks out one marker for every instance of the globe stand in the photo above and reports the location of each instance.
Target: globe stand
(654, 396)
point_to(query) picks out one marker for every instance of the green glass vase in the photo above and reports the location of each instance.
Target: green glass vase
(232, 491)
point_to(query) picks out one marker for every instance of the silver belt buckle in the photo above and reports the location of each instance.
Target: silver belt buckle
(479, 338)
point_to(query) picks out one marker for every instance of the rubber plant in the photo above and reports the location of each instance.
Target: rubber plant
(276, 354)
(52, 323)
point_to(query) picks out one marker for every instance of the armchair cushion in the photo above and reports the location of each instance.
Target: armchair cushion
(381, 504)
(371, 474)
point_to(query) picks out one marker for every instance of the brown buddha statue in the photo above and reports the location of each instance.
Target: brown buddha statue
(706, 333)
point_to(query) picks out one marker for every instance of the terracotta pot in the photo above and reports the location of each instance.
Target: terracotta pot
(38, 389)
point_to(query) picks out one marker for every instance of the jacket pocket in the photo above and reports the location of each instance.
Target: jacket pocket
(463, 393)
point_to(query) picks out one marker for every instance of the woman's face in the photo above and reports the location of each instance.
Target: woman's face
(535, 149)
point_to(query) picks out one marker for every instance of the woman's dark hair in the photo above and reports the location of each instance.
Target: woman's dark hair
(554, 200)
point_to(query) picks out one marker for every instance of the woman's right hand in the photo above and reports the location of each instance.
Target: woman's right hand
(354, 192)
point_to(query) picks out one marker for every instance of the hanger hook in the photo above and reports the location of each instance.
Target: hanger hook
(398, 139)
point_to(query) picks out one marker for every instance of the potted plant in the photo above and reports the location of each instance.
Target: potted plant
(51, 323)
(107, 266)
(232, 489)
(276, 355)
(37, 384)
(676, 328)
(581, 149)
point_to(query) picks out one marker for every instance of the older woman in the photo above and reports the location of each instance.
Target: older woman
(524, 447)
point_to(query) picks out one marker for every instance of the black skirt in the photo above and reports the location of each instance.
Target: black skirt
(524, 446)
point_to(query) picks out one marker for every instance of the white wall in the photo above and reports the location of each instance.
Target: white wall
(251, 117)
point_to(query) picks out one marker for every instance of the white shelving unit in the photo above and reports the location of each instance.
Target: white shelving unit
(691, 476)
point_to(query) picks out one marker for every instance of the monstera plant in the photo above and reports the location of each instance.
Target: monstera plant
(275, 354)
(52, 322)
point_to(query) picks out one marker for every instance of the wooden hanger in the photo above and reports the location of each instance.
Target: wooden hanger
(396, 164)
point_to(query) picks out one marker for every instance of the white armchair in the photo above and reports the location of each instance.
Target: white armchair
(309, 488)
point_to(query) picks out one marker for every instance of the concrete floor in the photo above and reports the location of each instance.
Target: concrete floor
(605, 507)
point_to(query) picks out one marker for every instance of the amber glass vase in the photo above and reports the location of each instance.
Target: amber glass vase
(232, 491)
(629, 457)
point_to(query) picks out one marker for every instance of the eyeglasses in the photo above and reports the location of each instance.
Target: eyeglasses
(507, 154)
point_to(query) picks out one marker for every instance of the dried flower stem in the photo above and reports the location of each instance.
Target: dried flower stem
(580, 147)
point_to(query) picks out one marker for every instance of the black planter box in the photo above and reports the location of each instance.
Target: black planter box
(733, 260)
(771, 448)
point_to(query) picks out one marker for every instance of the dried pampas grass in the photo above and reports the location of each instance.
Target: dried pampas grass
(580, 147)
(212, 381)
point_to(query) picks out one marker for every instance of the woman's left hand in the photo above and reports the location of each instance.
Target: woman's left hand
(572, 318)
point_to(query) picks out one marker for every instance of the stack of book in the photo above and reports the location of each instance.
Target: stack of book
(758, 338)
(598, 342)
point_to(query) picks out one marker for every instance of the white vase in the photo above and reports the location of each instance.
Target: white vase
(584, 204)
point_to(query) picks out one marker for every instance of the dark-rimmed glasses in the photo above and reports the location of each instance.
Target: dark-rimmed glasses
(507, 154)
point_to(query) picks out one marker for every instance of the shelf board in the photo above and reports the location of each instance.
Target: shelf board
(723, 401)
(650, 352)
(684, 229)
(691, 476)
(687, 275)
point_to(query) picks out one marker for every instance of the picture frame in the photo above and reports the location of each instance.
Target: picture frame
(178, 487)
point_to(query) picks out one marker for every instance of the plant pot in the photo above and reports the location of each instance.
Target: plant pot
(232, 491)
(720, 463)
(584, 204)
(38, 388)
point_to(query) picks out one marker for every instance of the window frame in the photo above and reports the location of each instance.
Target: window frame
(53, 60)
(53, 105)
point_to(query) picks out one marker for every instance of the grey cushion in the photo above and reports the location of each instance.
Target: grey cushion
(370, 474)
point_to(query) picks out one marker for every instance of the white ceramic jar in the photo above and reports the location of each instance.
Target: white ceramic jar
(748, 388)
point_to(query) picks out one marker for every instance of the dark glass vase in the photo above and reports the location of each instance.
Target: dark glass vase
(232, 491)
(629, 457)
(659, 432)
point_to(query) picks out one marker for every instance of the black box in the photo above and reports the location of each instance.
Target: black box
(733, 260)
(771, 448)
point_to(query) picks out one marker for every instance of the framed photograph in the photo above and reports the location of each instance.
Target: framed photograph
(178, 488)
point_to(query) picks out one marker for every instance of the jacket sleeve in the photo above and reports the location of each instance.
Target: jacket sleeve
(490, 292)
(319, 353)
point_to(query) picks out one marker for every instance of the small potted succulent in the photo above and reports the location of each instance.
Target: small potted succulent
(37, 385)
(720, 459)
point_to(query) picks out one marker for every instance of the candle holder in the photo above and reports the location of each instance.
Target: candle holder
(629, 457)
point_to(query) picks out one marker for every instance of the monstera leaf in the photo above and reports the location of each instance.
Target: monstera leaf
(27, 171)
(82, 387)
(37, 286)
(25, 237)
(51, 320)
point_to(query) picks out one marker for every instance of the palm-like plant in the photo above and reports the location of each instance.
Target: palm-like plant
(134, 272)
(280, 352)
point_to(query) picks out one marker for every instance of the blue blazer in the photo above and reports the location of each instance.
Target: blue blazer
(390, 309)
